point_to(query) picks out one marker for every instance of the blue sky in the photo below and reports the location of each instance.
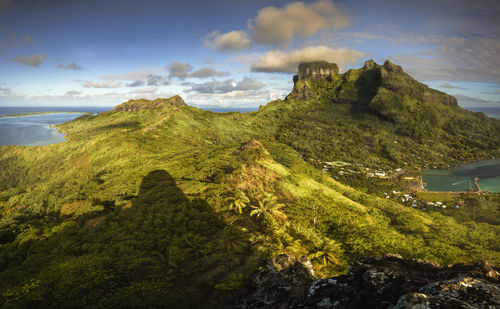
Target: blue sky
(236, 53)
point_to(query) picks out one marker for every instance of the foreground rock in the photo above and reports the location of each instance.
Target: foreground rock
(388, 282)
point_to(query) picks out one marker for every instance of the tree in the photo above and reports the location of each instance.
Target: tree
(194, 243)
(235, 239)
(326, 252)
(269, 208)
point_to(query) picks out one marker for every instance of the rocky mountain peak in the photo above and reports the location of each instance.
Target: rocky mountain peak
(370, 64)
(391, 67)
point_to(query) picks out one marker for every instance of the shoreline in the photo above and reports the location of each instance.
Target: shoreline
(42, 113)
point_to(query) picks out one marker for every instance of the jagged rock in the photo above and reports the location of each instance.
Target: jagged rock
(142, 104)
(388, 282)
(370, 64)
(391, 67)
(281, 283)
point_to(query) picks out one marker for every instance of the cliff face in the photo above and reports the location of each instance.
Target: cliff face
(316, 70)
(388, 282)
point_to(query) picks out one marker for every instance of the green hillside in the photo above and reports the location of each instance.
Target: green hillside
(157, 203)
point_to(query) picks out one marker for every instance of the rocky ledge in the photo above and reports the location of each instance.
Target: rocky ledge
(387, 282)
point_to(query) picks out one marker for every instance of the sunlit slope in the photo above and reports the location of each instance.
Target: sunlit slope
(169, 204)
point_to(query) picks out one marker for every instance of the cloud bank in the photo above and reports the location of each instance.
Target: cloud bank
(182, 71)
(287, 62)
(233, 40)
(278, 26)
(106, 84)
(226, 86)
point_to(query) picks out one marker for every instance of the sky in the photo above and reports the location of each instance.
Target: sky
(236, 53)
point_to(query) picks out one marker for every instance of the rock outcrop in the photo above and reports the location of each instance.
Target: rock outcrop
(387, 282)
(143, 104)
(316, 70)
(311, 72)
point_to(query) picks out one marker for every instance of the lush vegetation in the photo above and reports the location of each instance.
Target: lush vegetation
(160, 204)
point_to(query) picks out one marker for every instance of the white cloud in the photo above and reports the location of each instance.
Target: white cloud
(278, 26)
(241, 98)
(106, 84)
(131, 76)
(72, 66)
(34, 60)
(182, 71)
(145, 90)
(226, 86)
(72, 92)
(233, 40)
(179, 70)
(136, 83)
(287, 62)
(208, 72)
(456, 59)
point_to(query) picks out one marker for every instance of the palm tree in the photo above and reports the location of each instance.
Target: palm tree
(194, 243)
(294, 246)
(269, 208)
(236, 239)
(239, 201)
(326, 251)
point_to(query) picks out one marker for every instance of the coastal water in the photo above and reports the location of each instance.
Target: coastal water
(11, 110)
(33, 130)
(462, 178)
(493, 112)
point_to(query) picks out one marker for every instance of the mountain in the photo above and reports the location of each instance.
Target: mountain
(160, 204)
(379, 115)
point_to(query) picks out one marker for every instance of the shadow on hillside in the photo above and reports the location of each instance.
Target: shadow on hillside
(162, 251)
(176, 237)
(159, 186)
(366, 87)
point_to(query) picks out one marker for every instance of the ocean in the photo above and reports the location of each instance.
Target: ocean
(493, 112)
(10, 110)
(33, 130)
